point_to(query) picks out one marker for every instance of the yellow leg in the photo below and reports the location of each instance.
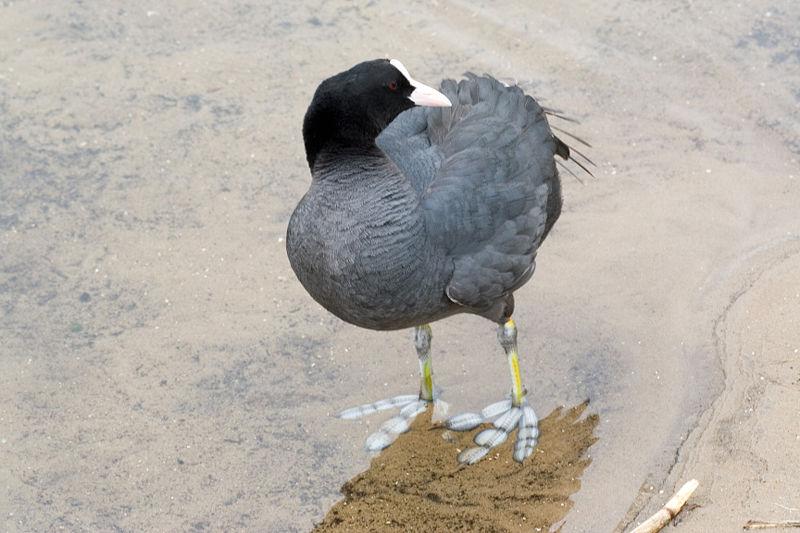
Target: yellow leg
(507, 335)
(410, 405)
(422, 341)
(505, 418)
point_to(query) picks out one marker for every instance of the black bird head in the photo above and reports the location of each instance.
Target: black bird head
(351, 108)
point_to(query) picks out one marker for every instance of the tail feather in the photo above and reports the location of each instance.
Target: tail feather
(561, 148)
(569, 153)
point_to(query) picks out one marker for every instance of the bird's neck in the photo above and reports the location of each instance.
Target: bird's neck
(344, 163)
(329, 131)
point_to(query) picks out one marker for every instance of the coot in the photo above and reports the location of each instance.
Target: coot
(424, 204)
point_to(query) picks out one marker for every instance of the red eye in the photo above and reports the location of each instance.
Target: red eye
(392, 85)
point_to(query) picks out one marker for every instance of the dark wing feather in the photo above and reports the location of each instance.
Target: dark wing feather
(496, 192)
(407, 143)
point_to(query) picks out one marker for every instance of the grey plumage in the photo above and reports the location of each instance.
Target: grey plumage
(445, 215)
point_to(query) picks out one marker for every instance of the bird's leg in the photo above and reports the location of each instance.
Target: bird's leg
(507, 335)
(410, 404)
(505, 415)
(422, 341)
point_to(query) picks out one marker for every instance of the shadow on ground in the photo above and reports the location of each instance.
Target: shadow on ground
(417, 484)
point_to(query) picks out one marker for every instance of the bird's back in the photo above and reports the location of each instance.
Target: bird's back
(485, 173)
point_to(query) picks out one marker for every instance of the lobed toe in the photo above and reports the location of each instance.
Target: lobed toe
(464, 422)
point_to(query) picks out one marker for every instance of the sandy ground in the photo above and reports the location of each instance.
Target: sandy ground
(163, 370)
(416, 485)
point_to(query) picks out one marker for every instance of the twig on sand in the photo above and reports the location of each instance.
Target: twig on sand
(669, 511)
(757, 524)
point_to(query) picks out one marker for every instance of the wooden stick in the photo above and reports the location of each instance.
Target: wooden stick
(669, 511)
(756, 524)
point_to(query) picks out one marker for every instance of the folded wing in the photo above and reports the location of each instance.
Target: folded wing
(486, 176)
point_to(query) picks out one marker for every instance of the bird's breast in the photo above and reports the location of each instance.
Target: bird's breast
(369, 263)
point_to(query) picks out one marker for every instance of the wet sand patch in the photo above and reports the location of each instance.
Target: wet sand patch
(417, 483)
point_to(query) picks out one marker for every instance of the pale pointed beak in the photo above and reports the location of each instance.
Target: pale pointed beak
(428, 96)
(422, 94)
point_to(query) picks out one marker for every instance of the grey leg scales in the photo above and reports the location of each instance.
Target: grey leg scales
(410, 405)
(506, 415)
